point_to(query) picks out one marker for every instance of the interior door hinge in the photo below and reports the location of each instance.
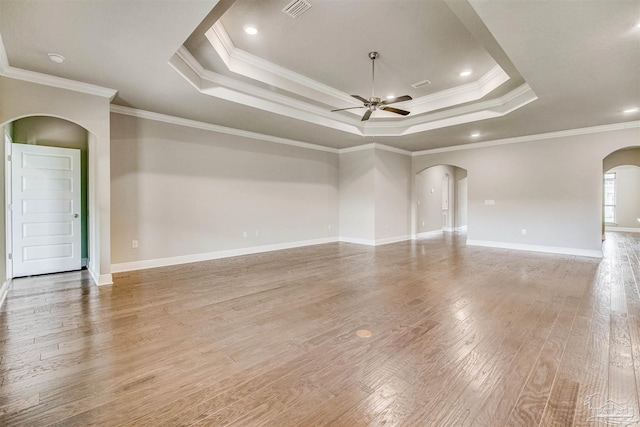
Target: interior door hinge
(8, 157)
(10, 256)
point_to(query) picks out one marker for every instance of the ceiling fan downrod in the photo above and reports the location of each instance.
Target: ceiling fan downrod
(375, 103)
(373, 56)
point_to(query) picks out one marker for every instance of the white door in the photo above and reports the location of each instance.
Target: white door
(45, 207)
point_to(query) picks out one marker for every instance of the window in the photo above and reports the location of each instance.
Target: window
(610, 197)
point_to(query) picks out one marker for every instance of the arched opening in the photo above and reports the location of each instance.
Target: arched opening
(621, 191)
(441, 200)
(50, 132)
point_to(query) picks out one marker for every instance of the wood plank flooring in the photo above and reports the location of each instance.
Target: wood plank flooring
(461, 336)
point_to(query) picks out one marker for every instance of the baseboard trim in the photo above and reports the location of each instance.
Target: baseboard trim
(369, 242)
(186, 259)
(429, 234)
(537, 248)
(455, 229)
(357, 241)
(4, 290)
(100, 279)
(390, 240)
(624, 229)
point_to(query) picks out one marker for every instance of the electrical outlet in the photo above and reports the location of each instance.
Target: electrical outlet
(329, 227)
(524, 231)
(134, 244)
(244, 234)
(257, 233)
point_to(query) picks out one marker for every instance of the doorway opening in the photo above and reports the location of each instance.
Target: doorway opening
(621, 191)
(46, 187)
(441, 200)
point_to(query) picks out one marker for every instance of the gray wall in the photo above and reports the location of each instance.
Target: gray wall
(375, 194)
(183, 191)
(627, 196)
(357, 195)
(392, 195)
(552, 187)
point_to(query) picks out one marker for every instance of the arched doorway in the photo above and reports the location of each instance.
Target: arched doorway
(42, 127)
(621, 191)
(53, 135)
(89, 107)
(441, 200)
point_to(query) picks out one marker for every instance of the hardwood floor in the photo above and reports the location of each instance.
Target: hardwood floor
(460, 336)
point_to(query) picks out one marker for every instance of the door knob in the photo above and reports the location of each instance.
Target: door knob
(75, 215)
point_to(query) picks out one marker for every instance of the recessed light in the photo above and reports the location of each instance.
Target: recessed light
(57, 58)
(475, 134)
(465, 73)
(251, 30)
(630, 110)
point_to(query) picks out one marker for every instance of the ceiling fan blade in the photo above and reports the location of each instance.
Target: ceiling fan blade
(396, 99)
(359, 98)
(342, 109)
(366, 116)
(395, 110)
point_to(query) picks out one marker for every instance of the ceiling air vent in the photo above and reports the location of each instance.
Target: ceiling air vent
(296, 8)
(420, 84)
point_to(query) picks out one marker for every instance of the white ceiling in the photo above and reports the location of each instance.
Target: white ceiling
(538, 66)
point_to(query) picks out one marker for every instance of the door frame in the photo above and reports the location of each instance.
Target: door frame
(20, 195)
(91, 202)
(8, 219)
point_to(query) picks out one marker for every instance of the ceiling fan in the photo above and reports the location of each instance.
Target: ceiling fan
(374, 103)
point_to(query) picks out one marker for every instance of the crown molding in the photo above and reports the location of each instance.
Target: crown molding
(58, 82)
(254, 67)
(217, 85)
(49, 80)
(460, 94)
(492, 108)
(149, 115)
(375, 146)
(392, 149)
(528, 138)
